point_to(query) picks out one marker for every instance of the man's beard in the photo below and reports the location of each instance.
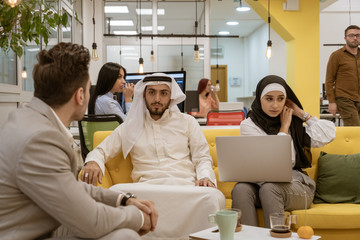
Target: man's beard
(157, 111)
(352, 45)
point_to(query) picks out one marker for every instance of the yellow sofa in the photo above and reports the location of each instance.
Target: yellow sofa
(331, 221)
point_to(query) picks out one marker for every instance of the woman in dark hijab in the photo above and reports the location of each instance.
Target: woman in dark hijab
(277, 111)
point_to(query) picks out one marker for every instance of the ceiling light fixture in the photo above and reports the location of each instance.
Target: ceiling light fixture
(12, 3)
(148, 11)
(242, 8)
(224, 33)
(232, 23)
(122, 23)
(24, 72)
(120, 50)
(196, 46)
(125, 32)
(182, 56)
(217, 65)
(269, 43)
(116, 9)
(349, 12)
(141, 60)
(94, 55)
(152, 57)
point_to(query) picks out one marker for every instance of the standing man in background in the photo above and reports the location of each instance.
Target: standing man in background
(343, 79)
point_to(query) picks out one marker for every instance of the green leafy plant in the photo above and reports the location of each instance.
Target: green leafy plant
(30, 21)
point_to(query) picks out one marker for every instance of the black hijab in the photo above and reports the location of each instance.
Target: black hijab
(271, 125)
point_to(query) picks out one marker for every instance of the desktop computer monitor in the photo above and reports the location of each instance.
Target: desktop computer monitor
(179, 76)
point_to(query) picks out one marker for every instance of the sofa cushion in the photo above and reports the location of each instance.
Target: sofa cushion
(330, 216)
(338, 179)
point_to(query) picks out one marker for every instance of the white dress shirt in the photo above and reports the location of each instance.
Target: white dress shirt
(321, 132)
(106, 104)
(172, 150)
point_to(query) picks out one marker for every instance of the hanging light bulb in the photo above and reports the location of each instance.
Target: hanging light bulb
(141, 65)
(196, 53)
(268, 50)
(24, 73)
(217, 86)
(196, 46)
(269, 43)
(152, 57)
(242, 8)
(94, 55)
(12, 3)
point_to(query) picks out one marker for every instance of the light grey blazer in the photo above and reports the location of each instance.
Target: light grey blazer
(39, 190)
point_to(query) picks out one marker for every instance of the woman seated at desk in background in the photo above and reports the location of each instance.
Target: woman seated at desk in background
(208, 99)
(111, 79)
(277, 111)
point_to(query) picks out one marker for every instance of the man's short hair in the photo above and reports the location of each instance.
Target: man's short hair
(351, 27)
(59, 72)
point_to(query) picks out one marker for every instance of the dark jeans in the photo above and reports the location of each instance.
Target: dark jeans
(349, 111)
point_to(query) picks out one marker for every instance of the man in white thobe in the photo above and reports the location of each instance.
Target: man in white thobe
(170, 156)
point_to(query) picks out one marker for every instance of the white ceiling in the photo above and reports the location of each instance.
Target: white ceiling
(220, 12)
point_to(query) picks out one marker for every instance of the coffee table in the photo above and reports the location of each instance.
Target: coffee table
(247, 232)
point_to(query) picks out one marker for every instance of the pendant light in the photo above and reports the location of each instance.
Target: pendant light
(217, 86)
(94, 55)
(269, 43)
(242, 8)
(12, 3)
(24, 72)
(182, 56)
(141, 60)
(152, 57)
(120, 50)
(349, 12)
(196, 46)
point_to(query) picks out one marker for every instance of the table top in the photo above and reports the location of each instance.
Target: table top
(247, 232)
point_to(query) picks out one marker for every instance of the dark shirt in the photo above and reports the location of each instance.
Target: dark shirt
(343, 76)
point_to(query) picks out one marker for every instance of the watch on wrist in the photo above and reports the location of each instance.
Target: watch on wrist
(306, 115)
(126, 197)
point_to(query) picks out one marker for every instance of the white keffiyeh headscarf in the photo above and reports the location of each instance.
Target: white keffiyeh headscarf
(133, 126)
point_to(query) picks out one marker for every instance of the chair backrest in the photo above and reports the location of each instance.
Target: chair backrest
(92, 123)
(231, 106)
(225, 117)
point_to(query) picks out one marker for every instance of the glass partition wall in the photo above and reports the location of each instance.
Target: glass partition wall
(233, 39)
(167, 37)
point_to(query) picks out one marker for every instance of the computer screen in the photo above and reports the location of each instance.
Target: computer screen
(179, 76)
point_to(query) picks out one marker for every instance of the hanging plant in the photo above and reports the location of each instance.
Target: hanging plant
(29, 21)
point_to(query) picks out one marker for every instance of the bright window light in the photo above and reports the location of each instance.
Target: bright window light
(116, 9)
(232, 23)
(224, 33)
(148, 11)
(121, 23)
(125, 32)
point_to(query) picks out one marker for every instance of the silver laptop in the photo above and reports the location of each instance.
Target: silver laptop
(254, 158)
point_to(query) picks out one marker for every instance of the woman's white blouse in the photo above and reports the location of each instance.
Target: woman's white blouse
(321, 132)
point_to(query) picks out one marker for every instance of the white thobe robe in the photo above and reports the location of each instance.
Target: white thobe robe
(169, 156)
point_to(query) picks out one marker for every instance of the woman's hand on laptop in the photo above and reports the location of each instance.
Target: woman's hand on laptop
(204, 182)
(91, 172)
